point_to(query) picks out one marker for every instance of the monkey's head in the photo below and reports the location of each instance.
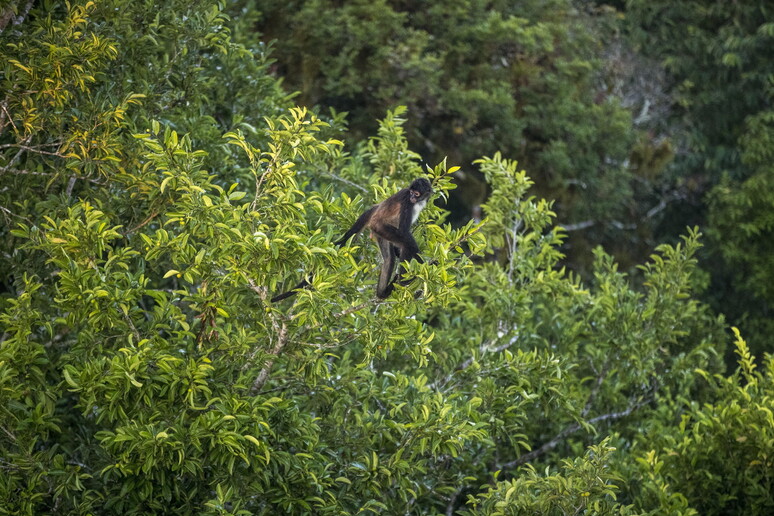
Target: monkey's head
(419, 190)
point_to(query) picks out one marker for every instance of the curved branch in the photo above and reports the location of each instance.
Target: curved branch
(553, 443)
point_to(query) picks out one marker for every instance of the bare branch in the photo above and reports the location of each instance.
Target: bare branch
(132, 326)
(70, 185)
(24, 172)
(280, 327)
(4, 113)
(597, 386)
(483, 348)
(453, 502)
(553, 443)
(143, 223)
(36, 149)
(578, 225)
(346, 181)
(263, 293)
(6, 17)
(23, 14)
(264, 374)
(259, 181)
(620, 225)
(351, 310)
(7, 212)
(655, 210)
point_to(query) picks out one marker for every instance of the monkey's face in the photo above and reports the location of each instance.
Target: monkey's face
(420, 190)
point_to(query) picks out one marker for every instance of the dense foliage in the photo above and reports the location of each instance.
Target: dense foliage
(157, 187)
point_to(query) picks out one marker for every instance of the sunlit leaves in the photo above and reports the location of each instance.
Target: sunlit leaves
(584, 485)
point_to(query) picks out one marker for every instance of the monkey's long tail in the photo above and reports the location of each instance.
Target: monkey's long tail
(360, 223)
(304, 283)
(357, 227)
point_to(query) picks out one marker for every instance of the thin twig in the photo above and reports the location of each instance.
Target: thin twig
(483, 348)
(8, 466)
(7, 212)
(132, 326)
(259, 181)
(351, 310)
(347, 182)
(24, 172)
(144, 222)
(597, 385)
(35, 149)
(9, 433)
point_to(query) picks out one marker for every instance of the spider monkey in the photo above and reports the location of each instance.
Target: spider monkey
(390, 224)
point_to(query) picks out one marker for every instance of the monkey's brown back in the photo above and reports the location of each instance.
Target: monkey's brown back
(386, 213)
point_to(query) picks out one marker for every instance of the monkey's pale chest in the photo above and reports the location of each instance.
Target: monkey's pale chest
(418, 207)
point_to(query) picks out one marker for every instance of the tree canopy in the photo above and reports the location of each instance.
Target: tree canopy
(159, 184)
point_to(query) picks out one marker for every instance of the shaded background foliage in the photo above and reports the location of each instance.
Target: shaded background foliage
(157, 186)
(637, 122)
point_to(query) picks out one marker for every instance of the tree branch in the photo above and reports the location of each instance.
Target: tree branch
(35, 149)
(351, 310)
(346, 181)
(578, 225)
(144, 222)
(4, 113)
(264, 374)
(483, 348)
(70, 185)
(20, 17)
(24, 172)
(453, 502)
(7, 213)
(553, 443)
(597, 385)
(655, 210)
(136, 333)
(282, 339)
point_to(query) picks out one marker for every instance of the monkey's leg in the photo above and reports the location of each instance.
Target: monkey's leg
(407, 249)
(384, 286)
